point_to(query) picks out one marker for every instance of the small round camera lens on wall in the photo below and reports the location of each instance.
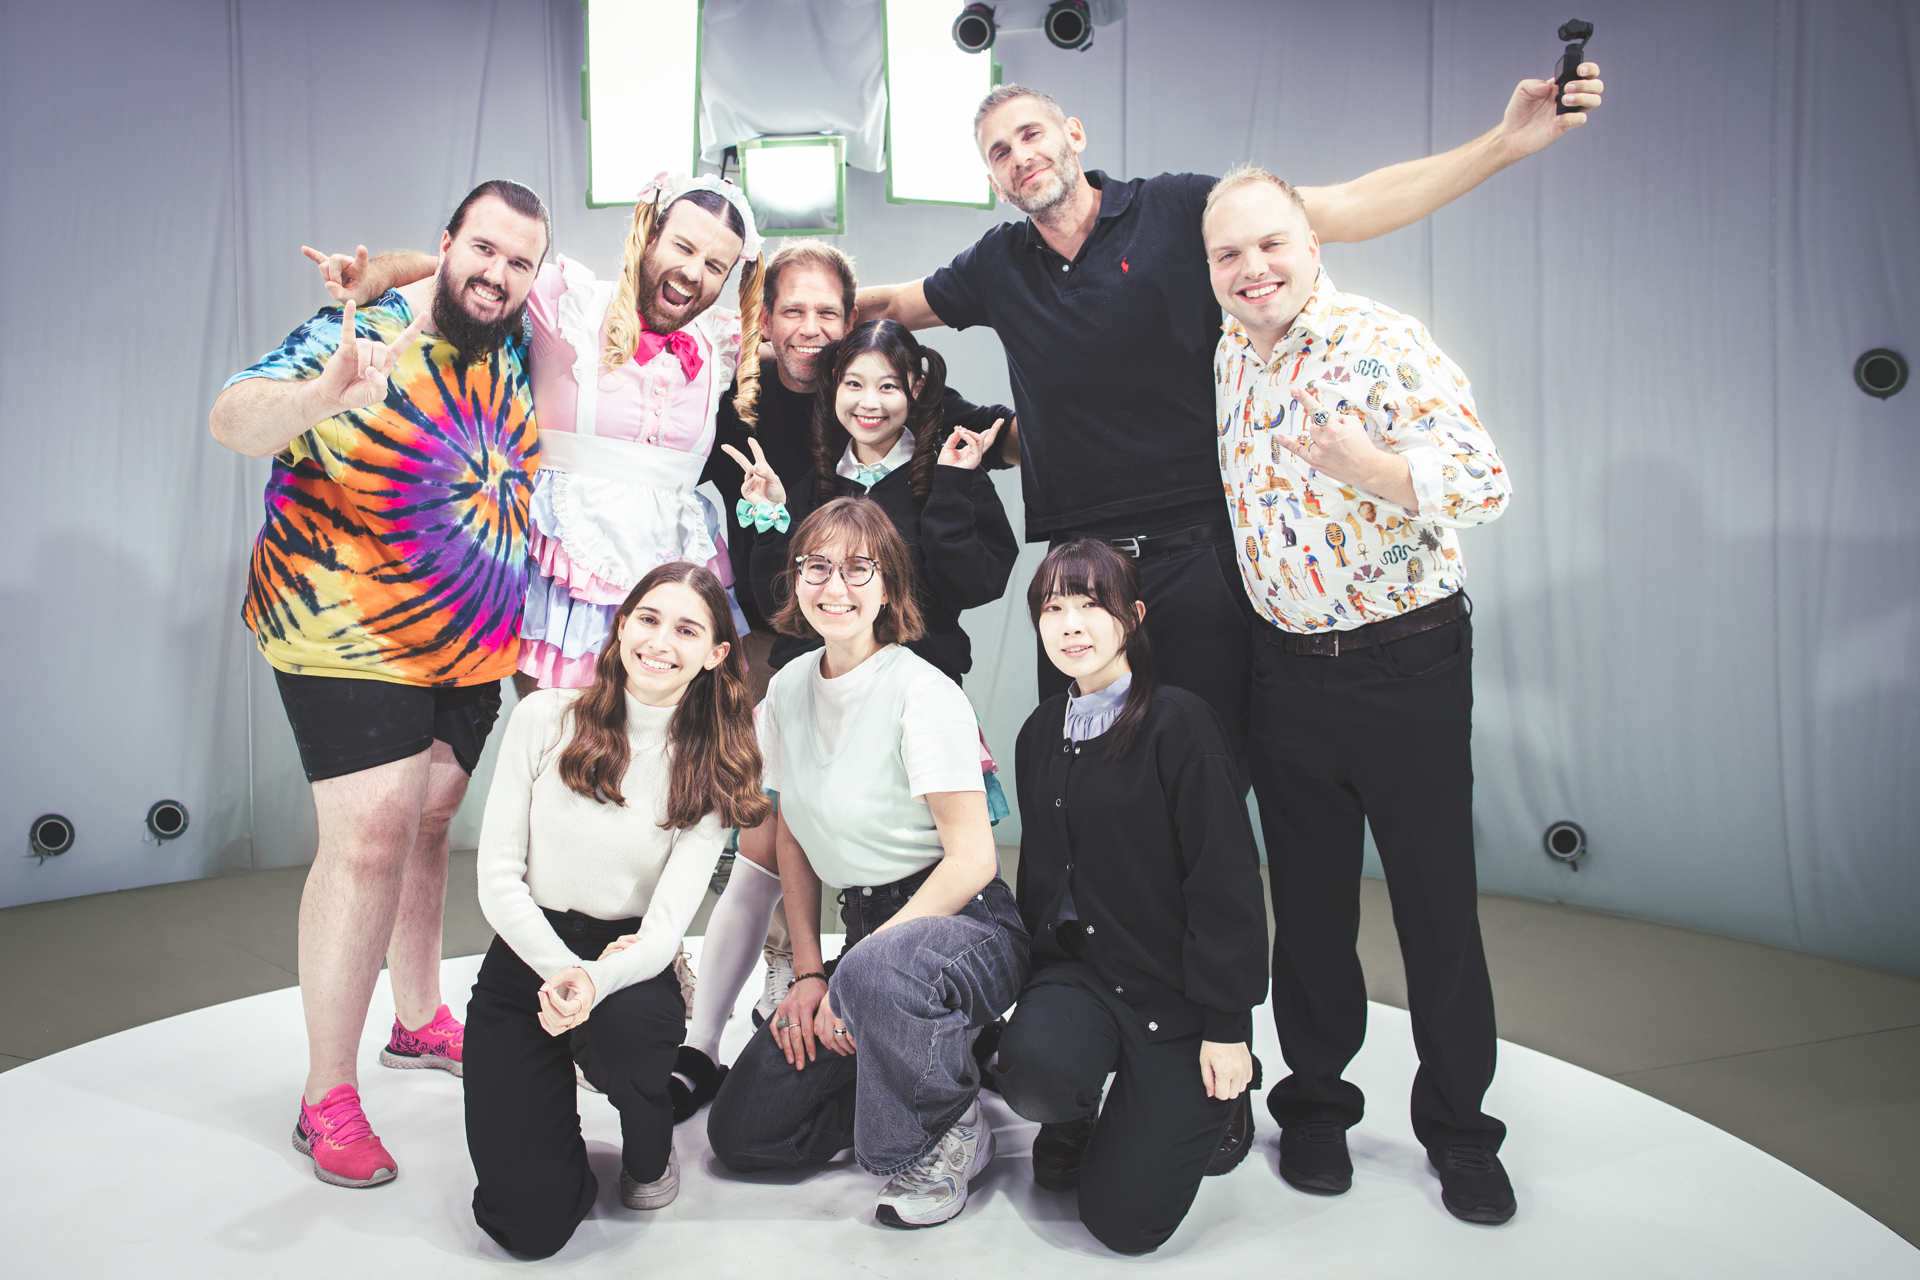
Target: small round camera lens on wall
(1881, 373)
(166, 820)
(50, 835)
(1565, 842)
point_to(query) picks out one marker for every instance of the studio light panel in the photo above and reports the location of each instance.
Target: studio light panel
(933, 88)
(640, 94)
(796, 185)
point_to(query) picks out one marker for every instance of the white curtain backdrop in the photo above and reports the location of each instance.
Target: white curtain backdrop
(1698, 627)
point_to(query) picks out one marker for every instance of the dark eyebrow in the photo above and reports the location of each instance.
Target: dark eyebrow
(691, 622)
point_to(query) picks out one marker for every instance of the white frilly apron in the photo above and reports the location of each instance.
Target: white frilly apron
(617, 508)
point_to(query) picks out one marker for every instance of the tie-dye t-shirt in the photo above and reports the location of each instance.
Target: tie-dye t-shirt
(395, 543)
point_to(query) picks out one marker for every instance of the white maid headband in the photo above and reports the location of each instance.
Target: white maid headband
(668, 187)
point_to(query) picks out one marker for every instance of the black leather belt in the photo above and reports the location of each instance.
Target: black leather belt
(1330, 644)
(1147, 544)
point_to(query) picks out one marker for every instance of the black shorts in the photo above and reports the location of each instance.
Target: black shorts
(344, 724)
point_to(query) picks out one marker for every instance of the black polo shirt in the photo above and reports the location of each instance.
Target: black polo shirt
(1110, 355)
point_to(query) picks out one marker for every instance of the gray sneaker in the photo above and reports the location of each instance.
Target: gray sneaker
(779, 978)
(657, 1194)
(933, 1189)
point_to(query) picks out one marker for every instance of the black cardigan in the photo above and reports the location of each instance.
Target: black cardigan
(1160, 854)
(785, 433)
(962, 548)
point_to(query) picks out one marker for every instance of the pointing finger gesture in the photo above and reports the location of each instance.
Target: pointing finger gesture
(762, 484)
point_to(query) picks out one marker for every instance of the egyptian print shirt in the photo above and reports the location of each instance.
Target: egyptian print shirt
(1316, 554)
(395, 542)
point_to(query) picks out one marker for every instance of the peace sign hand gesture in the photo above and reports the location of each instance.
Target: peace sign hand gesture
(355, 376)
(761, 484)
(967, 449)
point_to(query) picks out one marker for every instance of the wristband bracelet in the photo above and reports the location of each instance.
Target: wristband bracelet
(802, 977)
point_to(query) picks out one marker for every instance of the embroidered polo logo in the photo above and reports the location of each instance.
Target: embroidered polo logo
(1123, 266)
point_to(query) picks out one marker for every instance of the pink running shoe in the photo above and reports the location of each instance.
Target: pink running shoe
(340, 1141)
(435, 1045)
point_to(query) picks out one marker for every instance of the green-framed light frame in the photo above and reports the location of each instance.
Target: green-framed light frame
(993, 82)
(586, 99)
(839, 146)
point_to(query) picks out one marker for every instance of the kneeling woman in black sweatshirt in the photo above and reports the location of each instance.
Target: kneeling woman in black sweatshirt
(1140, 886)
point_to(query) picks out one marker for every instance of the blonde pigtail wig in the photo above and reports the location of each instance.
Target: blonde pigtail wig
(746, 378)
(623, 313)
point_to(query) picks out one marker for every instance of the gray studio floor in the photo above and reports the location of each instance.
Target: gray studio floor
(1812, 1060)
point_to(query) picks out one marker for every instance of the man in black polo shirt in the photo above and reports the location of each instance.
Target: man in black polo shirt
(1102, 300)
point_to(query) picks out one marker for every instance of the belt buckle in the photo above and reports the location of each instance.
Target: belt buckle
(1129, 545)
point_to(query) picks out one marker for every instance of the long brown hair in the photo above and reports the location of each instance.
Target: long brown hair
(714, 752)
(894, 343)
(857, 524)
(623, 313)
(1092, 568)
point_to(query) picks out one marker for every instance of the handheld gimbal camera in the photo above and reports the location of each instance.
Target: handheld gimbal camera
(1576, 33)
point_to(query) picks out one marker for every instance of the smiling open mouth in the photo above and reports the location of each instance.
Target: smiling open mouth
(659, 666)
(673, 295)
(1259, 291)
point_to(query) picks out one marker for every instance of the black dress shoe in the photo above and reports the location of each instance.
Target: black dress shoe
(1473, 1184)
(1238, 1139)
(1058, 1151)
(1314, 1159)
(704, 1077)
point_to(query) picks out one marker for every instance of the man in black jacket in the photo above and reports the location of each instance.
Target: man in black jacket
(809, 303)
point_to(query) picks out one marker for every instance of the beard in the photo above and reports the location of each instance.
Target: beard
(653, 311)
(1053, 193)
(470, 338)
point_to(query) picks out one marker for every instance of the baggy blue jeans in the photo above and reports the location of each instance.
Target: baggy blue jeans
(909, 997)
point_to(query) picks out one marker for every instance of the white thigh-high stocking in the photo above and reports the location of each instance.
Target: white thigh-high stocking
(736, 933)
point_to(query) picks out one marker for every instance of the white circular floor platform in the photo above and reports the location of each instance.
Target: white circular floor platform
(163, 1151)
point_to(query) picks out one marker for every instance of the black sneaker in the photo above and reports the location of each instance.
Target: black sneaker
(694, 1083)
(1238, 1139)
(1473, 1184)
(1057, 1153)
(1314, 1159)
(985, 1045)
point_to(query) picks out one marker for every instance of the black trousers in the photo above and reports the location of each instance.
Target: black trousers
(1376, 736)
(1197, 620)
(523, 1115)
(1158, 1130)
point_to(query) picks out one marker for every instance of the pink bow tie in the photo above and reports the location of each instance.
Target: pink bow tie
(680, 342)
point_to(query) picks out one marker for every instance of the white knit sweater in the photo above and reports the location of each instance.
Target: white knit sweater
(543, 844)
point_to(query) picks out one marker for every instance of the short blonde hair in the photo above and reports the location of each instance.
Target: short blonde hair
(1244, 175)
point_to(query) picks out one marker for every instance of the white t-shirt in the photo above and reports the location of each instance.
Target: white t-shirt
(939, 736)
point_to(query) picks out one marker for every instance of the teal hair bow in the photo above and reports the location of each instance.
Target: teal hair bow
(762, 515)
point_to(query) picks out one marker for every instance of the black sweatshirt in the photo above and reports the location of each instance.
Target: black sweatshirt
(785, 433)
(961, 545)
(1164, 871)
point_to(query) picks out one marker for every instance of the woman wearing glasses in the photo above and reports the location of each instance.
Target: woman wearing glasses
(877, 433)
(889, 808)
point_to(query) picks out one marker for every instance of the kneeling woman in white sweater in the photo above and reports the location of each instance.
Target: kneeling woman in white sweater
(608, 810)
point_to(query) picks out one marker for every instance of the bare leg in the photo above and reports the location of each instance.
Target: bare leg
(368, 823)
(524, 684)
(413, 952)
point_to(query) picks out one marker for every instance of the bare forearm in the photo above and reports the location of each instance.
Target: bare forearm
(967, 868)
(1390, 198)
(800, 887)
(1392, 478)
(261, 416)
(398, 268)
(905, 303)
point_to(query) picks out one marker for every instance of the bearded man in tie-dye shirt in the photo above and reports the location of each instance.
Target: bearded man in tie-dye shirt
(385, 591)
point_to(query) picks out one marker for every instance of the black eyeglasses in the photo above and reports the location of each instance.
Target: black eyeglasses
(855, 571)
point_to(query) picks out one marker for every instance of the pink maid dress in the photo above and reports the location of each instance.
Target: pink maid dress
(616, 491)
